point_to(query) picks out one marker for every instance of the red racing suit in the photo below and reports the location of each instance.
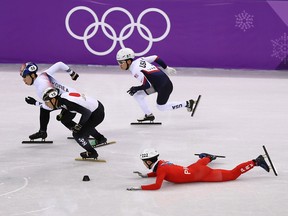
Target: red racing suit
(196, 172)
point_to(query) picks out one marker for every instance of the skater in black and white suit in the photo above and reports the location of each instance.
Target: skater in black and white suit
(91, 111)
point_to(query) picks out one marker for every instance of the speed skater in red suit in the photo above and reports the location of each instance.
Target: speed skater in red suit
(196, 172)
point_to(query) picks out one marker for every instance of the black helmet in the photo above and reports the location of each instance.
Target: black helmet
(50, 93)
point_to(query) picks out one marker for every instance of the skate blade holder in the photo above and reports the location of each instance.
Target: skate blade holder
(146, 123)
(103, 144)
(89, 138)
(195, 106)
(43, 141)
(90, 160)
(217, 156)
(271, 165)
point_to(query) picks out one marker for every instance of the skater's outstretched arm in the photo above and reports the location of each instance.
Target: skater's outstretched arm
(62, 66)
(154, 58)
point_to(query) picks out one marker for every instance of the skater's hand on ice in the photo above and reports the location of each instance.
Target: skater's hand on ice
(133, 90)
(170, 71)
(76, 128)
(134, 188)
(30, 100)
(140, 174)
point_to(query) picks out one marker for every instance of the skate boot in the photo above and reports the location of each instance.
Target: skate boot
(39, 134)
(98, 141)
(189, 105)
(210, 156)
(87, 154)
(260, 161)
(149, 117)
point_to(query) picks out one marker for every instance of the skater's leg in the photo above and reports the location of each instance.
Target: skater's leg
(171, 106)
(44, 119)
(244, 167)
(164, 93)
(140, 99)
(84, 143)
(202, 162)
(218, 175)
(82, 136)
(163, 97)
(95, 119)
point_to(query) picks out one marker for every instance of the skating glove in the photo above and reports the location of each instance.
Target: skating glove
(140, 174)
(76, 128)
(59, 117)
(133, 90)
(73, 74)
(30, 100)
(170, 71)
(134, 188)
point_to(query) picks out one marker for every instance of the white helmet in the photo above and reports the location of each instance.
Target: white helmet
(148, 153)
(124, 54)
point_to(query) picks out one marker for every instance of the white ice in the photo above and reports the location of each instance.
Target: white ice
(240, 111)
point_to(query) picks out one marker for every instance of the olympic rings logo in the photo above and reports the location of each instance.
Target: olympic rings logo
(113, 36)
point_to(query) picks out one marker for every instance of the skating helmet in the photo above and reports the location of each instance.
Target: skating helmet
(50, 93)
(28, 68)
(124, 54)
(149, 154)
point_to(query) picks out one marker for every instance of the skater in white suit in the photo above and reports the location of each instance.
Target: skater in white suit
(41, 81)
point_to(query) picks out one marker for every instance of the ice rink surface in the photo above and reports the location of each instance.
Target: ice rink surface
(240, 111)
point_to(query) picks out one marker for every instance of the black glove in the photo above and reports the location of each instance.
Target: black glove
(133, 90)
(74, 75)
(59, 117)
(30, 100)
(76, 128)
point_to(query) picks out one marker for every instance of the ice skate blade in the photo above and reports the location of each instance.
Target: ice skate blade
(145, 123)
(196, 104)
(90, 138)
(102, 144)
(270, 161)
(90, 160)
(37, 142)
(217, 156)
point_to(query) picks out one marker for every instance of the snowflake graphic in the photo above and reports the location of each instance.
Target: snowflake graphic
(280, 48)
(244, 21)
